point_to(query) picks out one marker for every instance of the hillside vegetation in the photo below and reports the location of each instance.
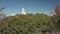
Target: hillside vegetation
(27, 24)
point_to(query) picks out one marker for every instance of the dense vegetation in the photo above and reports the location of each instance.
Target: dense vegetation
(27, 24)
(31, 23)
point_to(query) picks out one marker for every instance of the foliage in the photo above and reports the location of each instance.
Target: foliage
(27, 24)
(57, 17)
(57, 10)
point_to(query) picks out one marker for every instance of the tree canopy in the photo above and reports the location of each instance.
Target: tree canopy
(27, 24)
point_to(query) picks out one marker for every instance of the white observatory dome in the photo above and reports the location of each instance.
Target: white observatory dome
(23, 11)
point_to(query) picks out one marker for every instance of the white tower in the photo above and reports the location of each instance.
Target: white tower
(23, 11)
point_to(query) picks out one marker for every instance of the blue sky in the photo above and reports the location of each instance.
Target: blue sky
(31, 6)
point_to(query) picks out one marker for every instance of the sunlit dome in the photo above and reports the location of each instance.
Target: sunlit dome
(23, 11)
(13, 14)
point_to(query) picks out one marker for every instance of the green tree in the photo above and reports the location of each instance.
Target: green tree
(27, 24)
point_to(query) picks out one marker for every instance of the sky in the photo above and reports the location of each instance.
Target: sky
(31, 6)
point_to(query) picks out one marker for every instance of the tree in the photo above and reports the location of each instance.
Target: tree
(57, 17)
(57, 10)
(2, 15)
(27, 24)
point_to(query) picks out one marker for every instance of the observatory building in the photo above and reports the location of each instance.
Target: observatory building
(23, 11)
